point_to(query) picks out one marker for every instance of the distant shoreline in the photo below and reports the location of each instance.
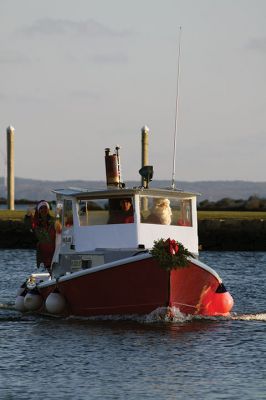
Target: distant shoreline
(211, 190)
(214, 235)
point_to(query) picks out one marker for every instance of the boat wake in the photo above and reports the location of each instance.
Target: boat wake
(174, 315)
(167, 314)
(162, 314)
(8, 313)
(249, 317)
(7, 306)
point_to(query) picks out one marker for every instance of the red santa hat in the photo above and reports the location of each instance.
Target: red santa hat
(43, 203)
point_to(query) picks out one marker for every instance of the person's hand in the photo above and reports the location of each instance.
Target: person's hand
(29, 212)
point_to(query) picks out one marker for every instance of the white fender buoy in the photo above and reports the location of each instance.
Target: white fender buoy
(33, 300)
(19, 303)
(55, 302)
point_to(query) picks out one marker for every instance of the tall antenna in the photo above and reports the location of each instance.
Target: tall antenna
(176, 108)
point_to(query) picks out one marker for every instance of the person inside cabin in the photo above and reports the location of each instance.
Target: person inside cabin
(45, 228)
(121, 211)
(185, 214)
(160, 213)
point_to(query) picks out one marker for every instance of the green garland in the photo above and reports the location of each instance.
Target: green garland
(170, 254)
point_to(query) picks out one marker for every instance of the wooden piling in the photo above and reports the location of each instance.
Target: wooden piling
(10, 168)
(144, 151)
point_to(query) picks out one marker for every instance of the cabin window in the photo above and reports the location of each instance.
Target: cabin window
(59, 215)
(105, 211)
(68, 213)
(165, 211)
(93, 212)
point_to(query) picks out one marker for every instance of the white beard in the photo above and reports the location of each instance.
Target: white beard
(163, 211)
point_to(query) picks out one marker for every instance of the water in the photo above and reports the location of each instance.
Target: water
(19, 207)
(147, 358)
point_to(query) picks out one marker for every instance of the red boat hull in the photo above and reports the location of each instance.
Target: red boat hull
(141, 287)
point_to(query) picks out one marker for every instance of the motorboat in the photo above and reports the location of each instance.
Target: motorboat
(104, 263)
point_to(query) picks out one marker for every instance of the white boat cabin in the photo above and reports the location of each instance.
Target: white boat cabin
(94, 221)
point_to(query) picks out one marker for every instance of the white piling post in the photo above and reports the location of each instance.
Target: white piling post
(144, 150)
(10, 168)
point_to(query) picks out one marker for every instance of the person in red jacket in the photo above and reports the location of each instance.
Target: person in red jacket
(126, 216)
(43, 225)
(122, 212)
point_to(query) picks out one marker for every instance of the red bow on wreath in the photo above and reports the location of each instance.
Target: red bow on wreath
(171, 246)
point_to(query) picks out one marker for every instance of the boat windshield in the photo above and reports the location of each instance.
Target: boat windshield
(68, 214)
(106, 211)
(165, 211)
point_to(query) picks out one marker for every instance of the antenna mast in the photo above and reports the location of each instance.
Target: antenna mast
(176, 109)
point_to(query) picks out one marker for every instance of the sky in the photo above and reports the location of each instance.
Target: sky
(79, 76)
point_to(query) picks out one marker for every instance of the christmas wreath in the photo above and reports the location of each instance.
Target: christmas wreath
(170, 254)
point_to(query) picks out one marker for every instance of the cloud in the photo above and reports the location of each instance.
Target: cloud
(90, 27)
(9, 57)
(84, 94)
(3, 96)
(109, 58)
(258, 44)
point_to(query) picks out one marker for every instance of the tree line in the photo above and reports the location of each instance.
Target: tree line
(253, 203)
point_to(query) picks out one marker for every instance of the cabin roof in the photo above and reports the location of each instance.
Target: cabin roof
(85, 193)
